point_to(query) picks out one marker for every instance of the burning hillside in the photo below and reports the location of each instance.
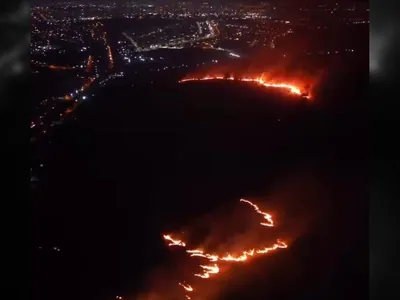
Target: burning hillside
(268, 70)
(208, 265)
(291, 88)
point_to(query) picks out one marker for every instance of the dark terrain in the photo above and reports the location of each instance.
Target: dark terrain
(138, 162)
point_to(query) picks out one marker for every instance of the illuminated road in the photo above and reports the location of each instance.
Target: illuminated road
(178, 43)
(132, 41)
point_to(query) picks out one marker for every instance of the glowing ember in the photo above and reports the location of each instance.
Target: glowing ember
(265, 215)
(200, 253)
(212, 269)
(173, 242)
(260, 80)
(279, 244)
(207, 270)
(186, 287)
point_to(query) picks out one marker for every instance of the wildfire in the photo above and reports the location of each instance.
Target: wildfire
(211, 269)
(186, 287)
(259, 80)
(174, 242)
(265, 215)
(207, 270)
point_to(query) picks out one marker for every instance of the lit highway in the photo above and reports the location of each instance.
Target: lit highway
(179, 43)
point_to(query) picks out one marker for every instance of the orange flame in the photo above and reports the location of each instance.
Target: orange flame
(208, 270)
(265, 215)
(173, 242)
(186, 287)
(260, 80)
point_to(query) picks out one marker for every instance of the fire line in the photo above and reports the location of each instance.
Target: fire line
(211, 269)
(259, 80)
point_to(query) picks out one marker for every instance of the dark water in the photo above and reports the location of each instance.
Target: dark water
(140, 162)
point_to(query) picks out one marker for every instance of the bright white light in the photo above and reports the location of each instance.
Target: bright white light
(83, 97)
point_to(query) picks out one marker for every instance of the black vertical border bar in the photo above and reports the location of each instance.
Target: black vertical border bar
(384, 148)
(15, 112)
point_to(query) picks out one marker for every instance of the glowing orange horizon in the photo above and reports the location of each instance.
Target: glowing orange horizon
(293, 89)
(211, 269)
